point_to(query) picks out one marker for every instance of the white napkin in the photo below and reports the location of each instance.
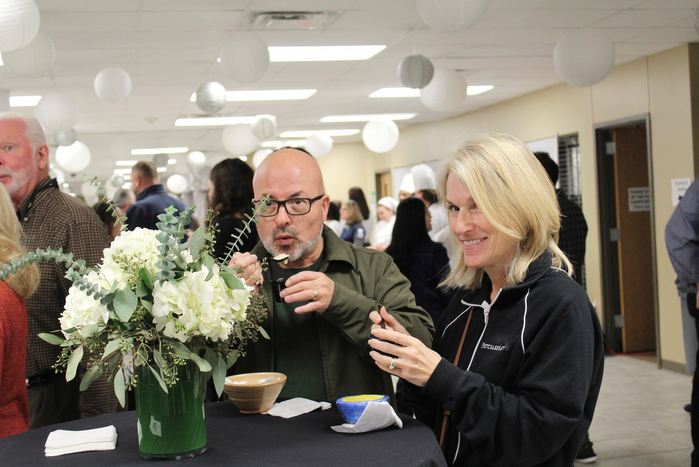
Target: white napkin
(376, 415)
(62, 442)
(296, 406)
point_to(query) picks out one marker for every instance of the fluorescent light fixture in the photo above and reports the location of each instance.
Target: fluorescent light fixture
(172, 161)
(269, 95)
(473, 90)
(145, 152)
(123, 172)
(243, 158)
(1, 62)
(213, 121)
(128, 163)
(127, 176)
(366, 117)
(24, 101)
(396, 92)
(161, 169)
(271, 144)
(323, 53)
(306, 134)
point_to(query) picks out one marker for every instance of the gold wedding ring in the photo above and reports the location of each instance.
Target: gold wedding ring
(315, 295)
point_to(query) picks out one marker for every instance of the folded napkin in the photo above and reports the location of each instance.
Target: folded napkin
(297, 406)
(62, 442)
(376, 415)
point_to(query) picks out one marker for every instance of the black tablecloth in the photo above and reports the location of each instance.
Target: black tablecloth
(245, 440)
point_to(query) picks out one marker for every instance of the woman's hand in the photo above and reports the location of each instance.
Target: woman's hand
(412, 360)
(248, 268)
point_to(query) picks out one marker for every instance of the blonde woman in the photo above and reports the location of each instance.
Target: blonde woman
(517, 358)
(353, 231)
(14, 409)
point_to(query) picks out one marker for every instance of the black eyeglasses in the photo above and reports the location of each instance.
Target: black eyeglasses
(293, 206)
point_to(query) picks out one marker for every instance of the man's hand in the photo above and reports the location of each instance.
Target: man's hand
(309, 285)
(248, 268)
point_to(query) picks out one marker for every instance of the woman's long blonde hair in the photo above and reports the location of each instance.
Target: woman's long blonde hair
(513, 191)
(25, 281)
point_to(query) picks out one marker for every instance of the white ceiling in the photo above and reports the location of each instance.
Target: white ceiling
(170, 47)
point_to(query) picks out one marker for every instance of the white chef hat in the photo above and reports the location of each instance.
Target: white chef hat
(389, 203)
(424, 177)
(407, 184)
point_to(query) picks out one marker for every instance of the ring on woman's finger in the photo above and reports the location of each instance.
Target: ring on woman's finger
(315, 295)
(394, 360)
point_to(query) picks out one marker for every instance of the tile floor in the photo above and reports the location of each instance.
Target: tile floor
(640, 420)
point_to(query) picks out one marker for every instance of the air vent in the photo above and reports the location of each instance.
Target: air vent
(286, 20)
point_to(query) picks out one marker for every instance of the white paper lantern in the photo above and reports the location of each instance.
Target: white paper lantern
(415, 71)
(120, 148)
(34, 59)
(583, 57)
(380, 135)
(239, 140)
(260, 155)
(177, 184)
(451, 16)
(19, 24)
(161, 160)
(64, 138)
(446, 91)
(196, 160)
(211, 97)
(319, 145)
(56, 112)
(117, 181)
(244, 57)
(113, 84)
(264, 126)
(74, 158)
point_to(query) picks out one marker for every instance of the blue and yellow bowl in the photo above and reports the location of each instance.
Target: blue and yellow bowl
(352, 407)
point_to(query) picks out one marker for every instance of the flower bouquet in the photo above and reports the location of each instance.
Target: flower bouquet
(159, 304)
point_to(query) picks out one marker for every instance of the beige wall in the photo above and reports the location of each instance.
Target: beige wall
(657, 85)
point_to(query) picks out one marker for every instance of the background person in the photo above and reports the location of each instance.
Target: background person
(151, 197)
(386, 211)
(518, 356)
(353, 230)
(356, 194)
(333, 220)
(14, 408)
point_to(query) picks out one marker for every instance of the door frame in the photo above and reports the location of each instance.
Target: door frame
(610, 284)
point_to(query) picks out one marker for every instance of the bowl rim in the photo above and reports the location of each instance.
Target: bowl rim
(274, 374)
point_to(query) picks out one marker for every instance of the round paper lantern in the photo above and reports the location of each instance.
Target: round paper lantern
(34, 59)
(239, 140)
(264, 126)
(451, 16)
(161, 160)
(260, 155)
(415, 71)
(120, 148)
(211, 97)
(244, 57)
(177, 184)
(117, 181)
(74, 158)
(56, 112)
(319, 144)
(583, 57)
(446, 91)
(64, 138)
(113, 84)
(196, 160)
(380, 135)
(19, 24)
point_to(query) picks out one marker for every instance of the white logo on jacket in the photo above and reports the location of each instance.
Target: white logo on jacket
(496, 347)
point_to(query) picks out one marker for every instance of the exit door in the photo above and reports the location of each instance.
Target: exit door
(628, 282)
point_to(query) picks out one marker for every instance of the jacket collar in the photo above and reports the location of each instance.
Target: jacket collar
(28, 203)
(151, 190)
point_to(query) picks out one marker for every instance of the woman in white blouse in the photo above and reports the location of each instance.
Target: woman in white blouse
(386, 210)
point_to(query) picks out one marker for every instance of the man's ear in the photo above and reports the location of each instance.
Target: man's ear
(42, 156)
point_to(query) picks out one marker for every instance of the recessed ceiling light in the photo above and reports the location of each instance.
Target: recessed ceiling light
(127, 163)
(213, 121)
(145, 152)
(323, 53)
(396, 92)
(366, 117)
(24, 101)
(270, 95)
(306, 134)
(473, 90)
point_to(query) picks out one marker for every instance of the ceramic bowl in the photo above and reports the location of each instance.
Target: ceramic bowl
(254, 392)
(352, 407)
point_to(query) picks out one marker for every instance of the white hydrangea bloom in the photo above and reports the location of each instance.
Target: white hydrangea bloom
(82, 310)
(193, 306)
(137, 247)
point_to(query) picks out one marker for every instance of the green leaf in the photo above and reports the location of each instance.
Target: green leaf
(231, 360)
(120, 387)
(112, 347)
(52, 338)
(232, 281)
(196, 242)
(203, 365)
(263, 333)
(125, 302)
(159, 378)
(182, 351)
(141, 289)
(219, 374)
(145, 276)
(91, 375)
(73, 363)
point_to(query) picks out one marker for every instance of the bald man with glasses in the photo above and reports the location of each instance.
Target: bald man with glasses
(320, 290)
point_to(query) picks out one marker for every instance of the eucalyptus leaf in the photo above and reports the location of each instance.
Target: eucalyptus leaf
(141, 289)
(263, 333)
(120, 387)
(232, 281)
(52, 338)
(111, 347)
(197, 241)
(145, 276)
(203, 365)
(159, 378)
(182, 350)
(91, 375)
(73, 363)
(219, 374)
(125, 302)
(231, 360)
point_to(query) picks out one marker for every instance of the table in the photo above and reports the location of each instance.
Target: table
(245, 440)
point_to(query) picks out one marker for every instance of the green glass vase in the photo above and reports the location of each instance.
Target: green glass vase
(171, 425)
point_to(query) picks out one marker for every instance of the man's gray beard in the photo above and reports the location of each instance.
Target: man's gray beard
(21, 177)
(295, 252)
